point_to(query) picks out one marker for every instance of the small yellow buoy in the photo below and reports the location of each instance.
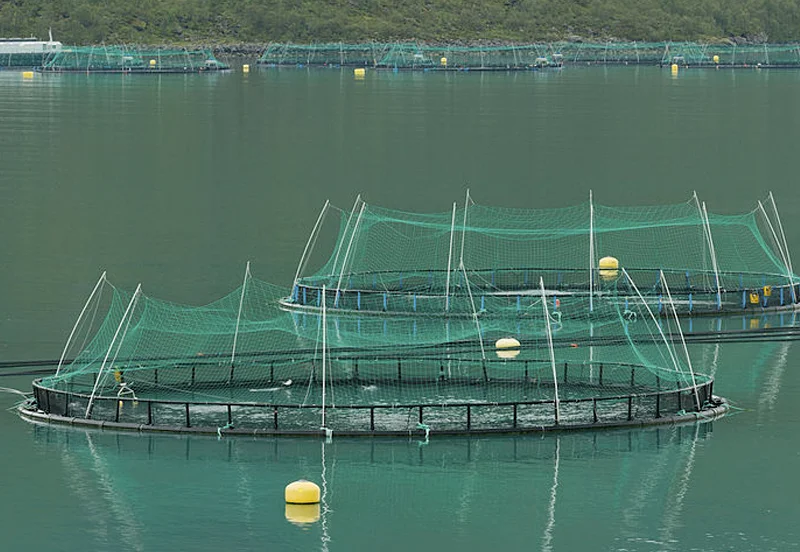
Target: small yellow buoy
(302, 514)
(152, 63)
(507, 343)
(609, 268)
(443, 61)
(245, 68)
(767, 291)
(27, 74)
(674, 68)
(507, 347)
(754, 298)
(302, 492)
(716, 59)
(359, 72)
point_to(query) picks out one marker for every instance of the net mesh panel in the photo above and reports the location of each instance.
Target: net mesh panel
(386, 260)
(522, 56)
(129, 59)
(162, 351)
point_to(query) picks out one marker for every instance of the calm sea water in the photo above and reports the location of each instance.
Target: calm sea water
(177, 181)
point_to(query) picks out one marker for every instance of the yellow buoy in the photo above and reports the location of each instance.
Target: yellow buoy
(609, 268)
(674, 68)
(359, 72)
(716, 59)
(754, 298)
(507, 343)
(302, 514)
(443, 61)
(245, 68)
(767, 291)
(302, 492)
(152, 63)
(27, 74)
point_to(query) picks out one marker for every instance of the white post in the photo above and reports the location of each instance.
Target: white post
(450, 260)
(111, 346)
(591, 253)
(778, 243)
(464, 228)
(785, 246)
(78, 321)
(550, 344)
(311, 238)
(713, 255)
(239, 316)
(705, 233)
(655, 321)
(344, 234)
(349, 245)
(474, 311)
(324, 346)
(683, 341)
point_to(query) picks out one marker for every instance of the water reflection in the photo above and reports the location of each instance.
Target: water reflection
(150, 491)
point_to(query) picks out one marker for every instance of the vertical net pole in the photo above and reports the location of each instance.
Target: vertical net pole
(785, 246)
(474, 312)
(778, 243)
(464, 229)
(591, 253)
(655, 321)
(78, 321)
(683, 341)
(349, 245)
(344, 234)
(239, 315)
(450, 260)
(324, 347)
(550, 345)
(713, 255)
(312, 239)
(111, 346)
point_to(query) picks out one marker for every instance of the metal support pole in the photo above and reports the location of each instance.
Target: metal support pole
(349, 245)
(111, 346)
(312, 239)
(591, 253)
(450, 261)
(239, 315)
(550, 346)
(683, 341)
(78, 321)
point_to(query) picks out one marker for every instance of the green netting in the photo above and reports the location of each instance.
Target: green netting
(392, 261)
(132, 60)
(412, 55)
(246, 351)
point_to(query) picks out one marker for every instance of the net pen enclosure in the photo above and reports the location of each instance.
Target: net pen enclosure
(126, 59)
(245, 365)
(525, 56)
(485, 261)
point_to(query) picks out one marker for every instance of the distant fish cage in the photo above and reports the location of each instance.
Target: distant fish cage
(122, 59)
(420, 56)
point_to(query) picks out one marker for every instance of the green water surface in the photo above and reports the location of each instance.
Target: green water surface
(176, 181)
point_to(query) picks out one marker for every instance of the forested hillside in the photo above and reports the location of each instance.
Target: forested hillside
(231, 21)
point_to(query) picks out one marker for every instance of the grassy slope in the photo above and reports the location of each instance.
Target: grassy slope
(230, 21)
